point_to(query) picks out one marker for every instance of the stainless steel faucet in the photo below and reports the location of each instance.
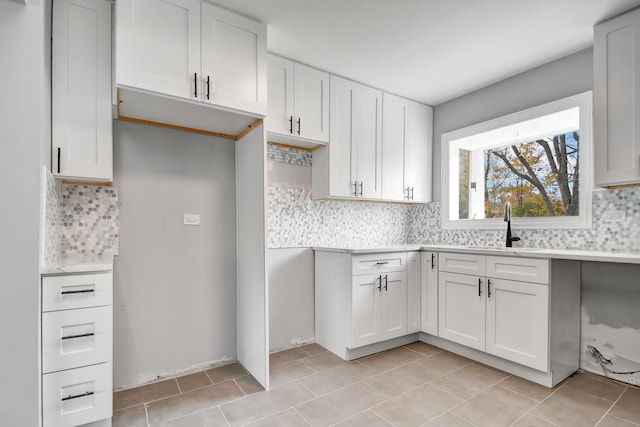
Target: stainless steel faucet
(507, 219)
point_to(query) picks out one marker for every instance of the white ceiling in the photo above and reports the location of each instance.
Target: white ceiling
(428, 50)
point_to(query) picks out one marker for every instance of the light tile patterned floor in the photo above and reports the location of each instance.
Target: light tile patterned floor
(414, 385)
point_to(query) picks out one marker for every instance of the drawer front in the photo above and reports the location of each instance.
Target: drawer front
(462, 263)
(77, 396)
(521, 269)
(378, 263)
(75, 338)
(76, 291)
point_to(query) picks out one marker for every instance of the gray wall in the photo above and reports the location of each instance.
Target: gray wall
(24, 132)
(174, 285)
(291, 297)
(611, 318)
(564, 77)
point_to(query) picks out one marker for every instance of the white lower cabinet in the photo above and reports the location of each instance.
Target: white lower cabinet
(461, 309)
(414, 291)
(77, 349)
(503, 317)
(517, 322)
(361, 299)
(429, 292)
(378, 308)
(77, 396)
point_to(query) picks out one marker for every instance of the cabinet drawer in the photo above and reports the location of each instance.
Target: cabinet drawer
(66, 292)
(77, 396)
(378, 263)
(522, 269)
(462, 263)
(75, 338)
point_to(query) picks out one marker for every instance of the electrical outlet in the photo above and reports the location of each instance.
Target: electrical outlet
(191, 219)
(431, 222)
(615, 216)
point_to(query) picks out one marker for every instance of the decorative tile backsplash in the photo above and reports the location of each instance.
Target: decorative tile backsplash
(281, 154)
(90, 220)
(297, 220)
(79, 220)
(52, 219)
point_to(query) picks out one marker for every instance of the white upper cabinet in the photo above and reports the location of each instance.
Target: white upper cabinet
(234, 60)
(158, 46)
(280, 80)
(350, 166)
(616, 93)
(298, 110)
(395, 116)
(418, 153)
(193, 50)
(407, 129)
(82, 143)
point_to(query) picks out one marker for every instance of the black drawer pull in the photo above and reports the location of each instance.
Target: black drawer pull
(84, 291)
(89, 393)
(70, 337)
(382, 262)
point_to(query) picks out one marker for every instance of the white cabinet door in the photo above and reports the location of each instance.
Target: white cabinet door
(311, 103)
(413, 292)
(395, 111)
(342, 178)
(158, 46)
(280, 100)
(418, 152)
(429, 292)
(233, 61)
(82, 142)
(366, 147)
(393, 306)
(616, 97)
(365, 309)
(461, 309)
(518, 322)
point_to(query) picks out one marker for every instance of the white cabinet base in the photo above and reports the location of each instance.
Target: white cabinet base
(77, 396)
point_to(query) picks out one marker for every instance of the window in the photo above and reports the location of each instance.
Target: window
(538, 160)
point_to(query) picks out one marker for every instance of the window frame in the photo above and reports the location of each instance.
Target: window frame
(449, 186)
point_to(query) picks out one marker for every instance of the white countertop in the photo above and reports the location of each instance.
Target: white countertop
(80, 264)
(573, 254)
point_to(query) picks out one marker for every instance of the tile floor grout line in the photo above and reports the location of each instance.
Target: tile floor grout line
(562, 384)
(611, 407)
(301, 416)
(241, 389)
(178, 384)
(311, 391)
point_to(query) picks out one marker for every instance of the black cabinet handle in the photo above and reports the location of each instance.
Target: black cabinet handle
(411, 193)
(380, 283)
(70, 337)
(360, 188)
(433, 261)
(299, 125)
(208, 86)
(355, 188)
(386, 282)
(382, 262)
(479, 287)
(70, 397)
(195, 85)
(59, 152)
(291, 125)
(84, 291)
(489, 288)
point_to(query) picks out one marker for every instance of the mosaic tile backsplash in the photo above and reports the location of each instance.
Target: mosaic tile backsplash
(79, 220)
(90, 220)
(297, 220)
(52, 220)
